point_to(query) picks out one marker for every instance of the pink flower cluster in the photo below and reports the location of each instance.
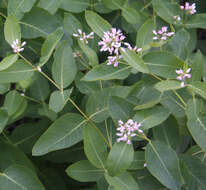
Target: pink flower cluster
(112, 41)
(183, 75)
(83, 37)
(190, 9)
(162, 34)
(17, 46)
(128, 130)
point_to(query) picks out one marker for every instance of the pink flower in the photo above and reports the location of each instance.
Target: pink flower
(162, 34)
(183, 75)
(114, 60)
(128, 130)
(17, 46)
(135, 49)
(83, 37)
(190, 9)
(112, 41)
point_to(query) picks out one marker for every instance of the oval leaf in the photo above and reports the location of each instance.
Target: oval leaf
(64, 68)
(97, 23)
(168, 170)
(119, 158)
(63, 133)
(134, 60)
(8, 61)
(167, 85)
(95, 147)
(49, 45)
(83, 171)
(19, 177)
(12, 29)
(106, 72)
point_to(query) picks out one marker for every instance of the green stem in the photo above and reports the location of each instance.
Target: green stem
(73, 103)
(36, 68)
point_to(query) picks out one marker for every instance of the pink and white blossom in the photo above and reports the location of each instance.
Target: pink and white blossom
(162, 34)
(17, 46)
(114, 60)
(112, 41)
(128, 130)
(83, 37)
(190, 9)
(183, 75)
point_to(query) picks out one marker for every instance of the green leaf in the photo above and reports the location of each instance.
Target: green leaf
(95, 147)
(114, 4)
(168, 170)
(167, 85)
(119, 158)
(196, 169)
(44, 110)
(50, 5)
(64, 68)
(13, 102)
(106, 72)
(10, 154)
(131, 15)
(8, 61)
(86, 87)
(19, 7)
(59, 99)
(4, 88)
(17, 72)
(40, 88)
(120, 108)
(151, 117)
(163, 63)
(167, 9)
(90, 53)
(122, 182)
(144, 34)
(134, 60)
(196, 122)
(197, 67)
(76, 6)
(97, 23)
(83, 171)
(138, 161)
(12, 29)
(71, 23)
(168, 133)
(49, 45)
(97, 106)
(25, 135)
(63, 133)
(179, 44)
(199, 88)
(3, 119)
(35, 23)
(19, 177)
(196, 21)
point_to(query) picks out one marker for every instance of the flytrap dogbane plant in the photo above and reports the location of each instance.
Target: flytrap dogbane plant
(189, 9)
(74, 124)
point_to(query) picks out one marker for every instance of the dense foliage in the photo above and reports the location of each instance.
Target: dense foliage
(102, 94)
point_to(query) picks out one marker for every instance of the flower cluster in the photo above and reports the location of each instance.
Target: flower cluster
(190, 9)
(128, 130)
(112, 41)
(17, 46)
(162, 34)
(83, 37)
(183, 75)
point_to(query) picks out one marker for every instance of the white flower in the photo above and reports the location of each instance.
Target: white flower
(83, 37)
(17, 46)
